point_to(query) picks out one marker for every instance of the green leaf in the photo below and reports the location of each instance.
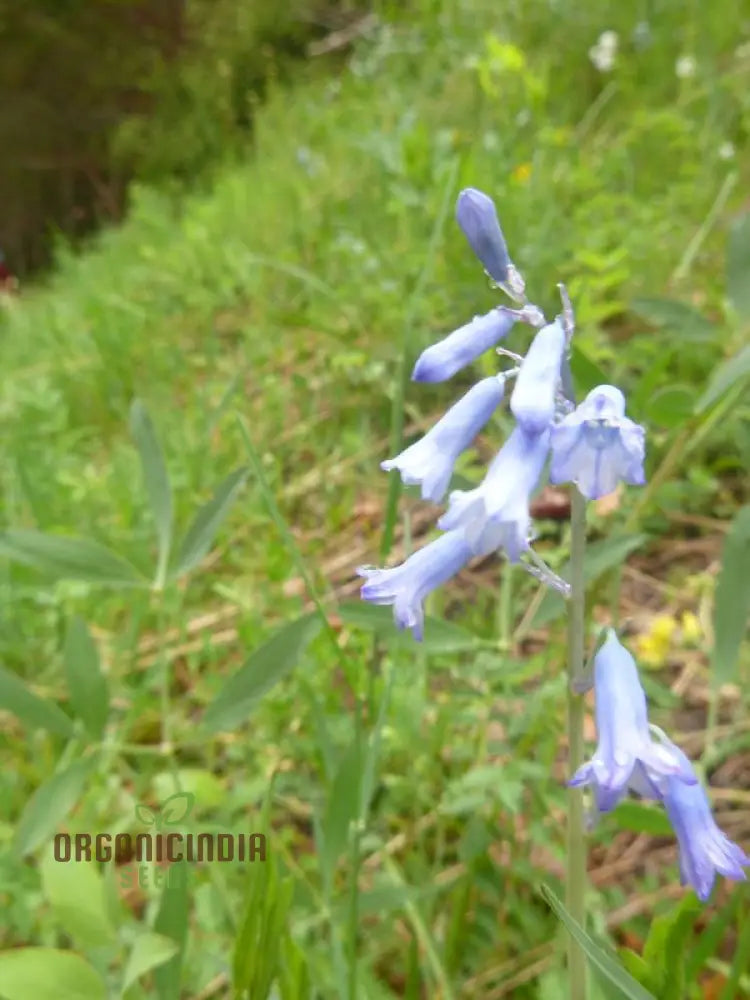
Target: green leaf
(587, 375)
(738, 265)
(638, 969)
(265, 667)
(732, 598)
(342, 809)
(30, 708)
(723, 377)
(75, 890)
(664, 950)
(642, 818)
(149, 951)
(439, 636)
(156, 481)
(207, 521)
(673, 315)
(600, 557)
(65, 558)
(172, 922)
(670, 406)
(48, 974)
(606, 963)
(86, 682)
(49, 805)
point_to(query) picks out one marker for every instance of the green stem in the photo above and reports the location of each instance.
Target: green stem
(575, 883)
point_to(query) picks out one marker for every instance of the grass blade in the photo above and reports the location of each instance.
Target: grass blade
(207, 521)
(156, 481)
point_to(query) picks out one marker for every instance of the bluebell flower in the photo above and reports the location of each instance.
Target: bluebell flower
(442, 360)
(477, 217)
(407, 585)
(533, 400)
(704, 849)
(626, 752)
(596, 445)
(496, 513)
(430, 460)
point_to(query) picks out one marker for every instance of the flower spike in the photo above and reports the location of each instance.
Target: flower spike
(535, 392)
(407, 585)
(430, 460)
(596, 445)
(496, 513)
(625, 752)
(704, 850)
(442, 360)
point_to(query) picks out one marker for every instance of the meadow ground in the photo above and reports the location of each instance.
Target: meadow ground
(413, 796)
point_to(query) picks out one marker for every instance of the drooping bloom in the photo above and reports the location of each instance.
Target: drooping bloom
(533, 400)
(477, 217)
(407, 585)
(597, 445)
(442, 360)
(704, 849)
(496, 513)
(626, 751)
(430, 460)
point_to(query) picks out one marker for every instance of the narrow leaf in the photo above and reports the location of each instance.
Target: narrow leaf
(49, 805)
(599, 958)
(48, 974)
(342, 809)
(66, 558)
(674, 315)
(738, 266)
(149, 951)
(30, 708)
(86, 682)
(587, 375)
(155, 479)
(732, 598)
(439, 636)
(172, 923)
(75, 891)
(265, 667)
(207, 521)
(600, 557)
(642, 818)
(723, 377)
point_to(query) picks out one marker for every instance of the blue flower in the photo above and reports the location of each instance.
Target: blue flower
(477, 216)
(430, 460)
(407, 585)
(496, 513)
(533, 400)
(626, 753)
(597, 445)
(442, 360)
(704, 849)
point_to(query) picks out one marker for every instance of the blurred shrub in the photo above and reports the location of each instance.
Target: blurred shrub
(94, 94)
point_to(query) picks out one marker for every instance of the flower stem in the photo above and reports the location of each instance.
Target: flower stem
(575, 883)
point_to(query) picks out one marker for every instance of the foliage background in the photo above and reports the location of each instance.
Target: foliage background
(287, 247)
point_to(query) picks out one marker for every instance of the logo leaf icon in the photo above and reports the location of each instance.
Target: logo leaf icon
(145, 814)
(176, 808)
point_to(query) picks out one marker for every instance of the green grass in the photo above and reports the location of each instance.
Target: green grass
(281, 295)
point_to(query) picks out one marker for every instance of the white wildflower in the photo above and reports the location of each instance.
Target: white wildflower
(685, 67)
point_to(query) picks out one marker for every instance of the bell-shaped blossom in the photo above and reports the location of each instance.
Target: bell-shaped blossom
(596, 445)
(430, 460)
(626, 753)
(704, 850)
(533, 400)
(496, 513)
(407, 585)
(442, 360)
(477, 216)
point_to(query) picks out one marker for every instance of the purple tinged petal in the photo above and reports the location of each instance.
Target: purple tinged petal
(596, 445)
(442, 360)
(407, 585)
(705, 850)
(625, 751)
(533, 398)
(430, 460)
(496, 513)
(477, 216)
